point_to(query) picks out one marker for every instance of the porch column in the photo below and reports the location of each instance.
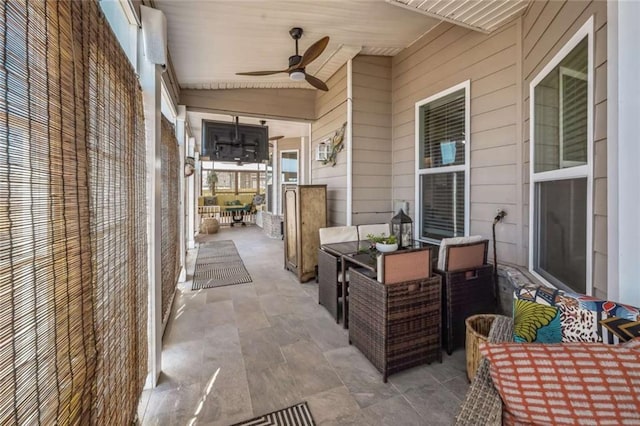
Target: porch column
(198, 189)
(623, 151)
(349, 144)
(275, 179)
(181, 116)
(150, 70)
(191, 199)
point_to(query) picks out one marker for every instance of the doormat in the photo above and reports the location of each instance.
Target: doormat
(298, 415)
(219, 264)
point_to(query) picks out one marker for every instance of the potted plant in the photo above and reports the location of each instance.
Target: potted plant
(384, 243)
(212, 179)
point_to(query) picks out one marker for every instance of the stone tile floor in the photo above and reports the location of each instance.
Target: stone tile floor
(236, 352)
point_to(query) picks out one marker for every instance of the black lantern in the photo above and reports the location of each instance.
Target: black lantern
(402, 228)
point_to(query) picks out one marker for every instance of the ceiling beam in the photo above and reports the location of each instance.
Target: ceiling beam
(282, 104)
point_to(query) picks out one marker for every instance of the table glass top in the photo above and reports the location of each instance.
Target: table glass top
(362, 253)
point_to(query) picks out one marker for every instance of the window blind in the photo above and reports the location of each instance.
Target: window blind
(443, 205)
(117, 184)
(73, 271)
(443, 131)
(574, 119)
(169, 215)
(442, 142)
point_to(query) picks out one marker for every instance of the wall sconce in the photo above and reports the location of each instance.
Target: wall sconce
(189, 166)
(327, 150)
(323, 150)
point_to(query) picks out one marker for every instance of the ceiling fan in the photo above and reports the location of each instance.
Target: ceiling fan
(297, 63)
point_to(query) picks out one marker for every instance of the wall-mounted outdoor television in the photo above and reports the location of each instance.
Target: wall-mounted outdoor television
(228, 141)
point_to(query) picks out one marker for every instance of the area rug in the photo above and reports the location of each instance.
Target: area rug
(219, 264)
(298, 415)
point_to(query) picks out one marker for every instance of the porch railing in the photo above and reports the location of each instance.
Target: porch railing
(226, 217)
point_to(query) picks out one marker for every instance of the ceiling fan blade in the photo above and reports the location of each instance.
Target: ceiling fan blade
(275, 138)
(316, 82)
(260, 72)
(313, 52)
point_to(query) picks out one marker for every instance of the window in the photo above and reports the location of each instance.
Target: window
(442, 169)
(268, 185)
(247, 182)
(226, 182)
(206, 187)
(289, 166)
(560, 204)
(288, 174)
(233, 181)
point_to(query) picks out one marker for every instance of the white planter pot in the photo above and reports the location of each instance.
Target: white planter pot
(386, 248)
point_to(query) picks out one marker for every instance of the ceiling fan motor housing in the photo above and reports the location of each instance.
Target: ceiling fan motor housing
(293, 60)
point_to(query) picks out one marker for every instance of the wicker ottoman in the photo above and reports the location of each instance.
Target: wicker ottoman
(209, 226)
(478, 327)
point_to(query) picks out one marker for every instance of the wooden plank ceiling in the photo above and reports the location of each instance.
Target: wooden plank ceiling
(210, 41)
(479, 15)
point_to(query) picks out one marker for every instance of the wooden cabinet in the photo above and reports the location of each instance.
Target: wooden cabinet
(305, 211)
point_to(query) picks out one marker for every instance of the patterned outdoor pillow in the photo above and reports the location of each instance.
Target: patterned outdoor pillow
(589, 319)
(580, 318)
(534, 322)
(622, 328)
(567, 383)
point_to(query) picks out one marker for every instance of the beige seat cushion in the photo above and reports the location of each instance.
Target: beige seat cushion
(450, 241)
(338, 234)
(375, 229)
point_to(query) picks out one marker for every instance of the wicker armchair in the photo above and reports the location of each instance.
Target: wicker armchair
(396, 324)
(467, 289)
(482, 404)
(329, 285)
(330, 269)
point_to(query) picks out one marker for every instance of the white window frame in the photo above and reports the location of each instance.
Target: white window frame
(576, 172)
(125, 23)
(466, 85)
(279, 178)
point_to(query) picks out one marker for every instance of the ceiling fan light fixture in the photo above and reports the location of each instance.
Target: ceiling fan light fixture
(296, 75)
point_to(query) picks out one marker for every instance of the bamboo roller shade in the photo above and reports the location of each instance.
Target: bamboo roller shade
(169, 215)
(73, 262)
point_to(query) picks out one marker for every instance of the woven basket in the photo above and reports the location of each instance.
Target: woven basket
(478, 327)
(209, 226)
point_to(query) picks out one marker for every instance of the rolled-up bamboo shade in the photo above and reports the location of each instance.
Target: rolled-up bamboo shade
(117, 182)
(169, 213)
(73, 274)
